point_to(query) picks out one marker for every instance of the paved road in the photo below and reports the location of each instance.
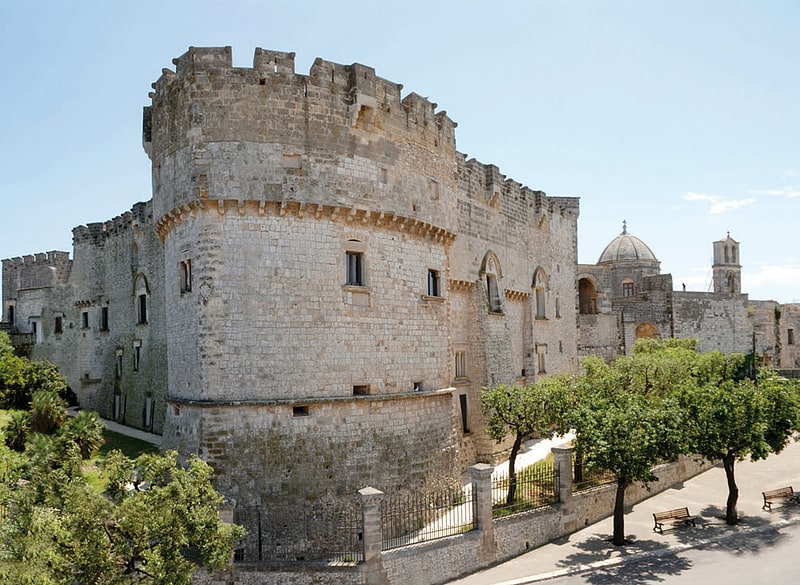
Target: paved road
(589, 557)
(767, 556)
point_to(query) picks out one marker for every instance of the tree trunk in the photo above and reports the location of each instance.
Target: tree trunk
(731, 517)
(512, 471)
(578, 475)
(619, 513)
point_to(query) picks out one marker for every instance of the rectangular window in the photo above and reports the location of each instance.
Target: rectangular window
(186, 276)
(460, 364)
(59, 326)
(541, 352)
(627, 289)
(118, 368)
(85, 319)
(462, 398)
(142, 308)
(360, 389)
(434, 189)
(355, 268)
(417, 386)
(494, 294)
(137, 355)
(300, 411)
(434, 289)
(147, 418)
(790, 336)
(104, 319)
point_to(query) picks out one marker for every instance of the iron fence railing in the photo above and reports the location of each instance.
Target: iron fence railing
(586, 476)
(534, 486)
(422, 517)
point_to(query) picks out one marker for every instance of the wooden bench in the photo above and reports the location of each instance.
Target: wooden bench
(676, 516)
(780, 494)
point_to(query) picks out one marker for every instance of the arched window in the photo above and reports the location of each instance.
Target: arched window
(490, 270)
(587, 297)
(731, 282)
(141, 293)
(647, 331)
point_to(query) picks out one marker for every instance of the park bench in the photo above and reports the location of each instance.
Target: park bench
(676, 516)
(780, 494)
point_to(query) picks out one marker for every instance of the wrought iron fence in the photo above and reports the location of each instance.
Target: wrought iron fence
(585, 476)
(327, 531)
(535, 486)
(422, 517)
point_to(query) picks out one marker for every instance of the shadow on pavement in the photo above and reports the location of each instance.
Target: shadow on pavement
(640, 570)
(648, 569)
(751, 534)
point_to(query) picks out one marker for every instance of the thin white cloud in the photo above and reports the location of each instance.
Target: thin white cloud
(719, 204)
(788, 192)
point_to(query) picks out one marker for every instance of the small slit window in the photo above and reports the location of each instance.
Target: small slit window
(460, 365)
(300, 411)
(355, 268)
(141, 309)
(434, 284)
(186, 276)
(360, 389)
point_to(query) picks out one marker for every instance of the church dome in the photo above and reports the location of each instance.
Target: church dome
(626, 247)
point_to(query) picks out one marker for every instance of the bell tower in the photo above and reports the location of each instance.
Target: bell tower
(727, 272)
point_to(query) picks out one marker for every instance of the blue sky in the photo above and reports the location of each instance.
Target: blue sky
(680, 117)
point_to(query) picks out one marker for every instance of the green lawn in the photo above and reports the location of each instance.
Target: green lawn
(128, 445)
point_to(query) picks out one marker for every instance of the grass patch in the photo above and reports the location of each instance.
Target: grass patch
(130, 446)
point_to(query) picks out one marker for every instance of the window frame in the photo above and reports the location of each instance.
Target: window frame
(354, 268)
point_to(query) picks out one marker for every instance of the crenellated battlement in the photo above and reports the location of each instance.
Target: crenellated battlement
(53, 258)
(339, 137)
(331, 92)
(140, 214)
(484, 183)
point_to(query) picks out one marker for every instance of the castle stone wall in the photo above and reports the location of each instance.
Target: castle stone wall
(720, 321)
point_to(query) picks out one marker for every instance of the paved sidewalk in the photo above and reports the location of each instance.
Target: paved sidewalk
(705, 495)
(125, 430)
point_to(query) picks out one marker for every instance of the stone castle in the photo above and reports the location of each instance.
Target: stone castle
(322, 285)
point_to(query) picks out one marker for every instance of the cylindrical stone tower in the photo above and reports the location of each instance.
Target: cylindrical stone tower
(306, 226)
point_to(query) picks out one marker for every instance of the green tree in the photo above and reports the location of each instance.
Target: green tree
(20, 378)
(735, 419)
(524, 413)
(85, 429)
(628, 435)
(155, 524)
(17, 429)
(48, 411)
(625, 417)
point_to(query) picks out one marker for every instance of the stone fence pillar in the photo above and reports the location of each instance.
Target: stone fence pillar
(562, 461)
(481, 476)
(371, 499)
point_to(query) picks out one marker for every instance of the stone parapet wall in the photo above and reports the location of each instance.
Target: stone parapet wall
(272, 454)
(443, 560)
